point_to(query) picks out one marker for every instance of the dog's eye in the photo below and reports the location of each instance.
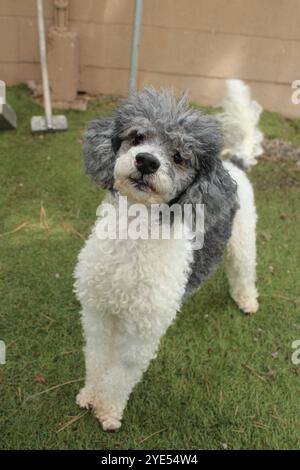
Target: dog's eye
(137, 139)
(177, 158)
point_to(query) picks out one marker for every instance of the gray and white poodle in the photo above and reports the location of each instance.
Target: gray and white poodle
(157, 151)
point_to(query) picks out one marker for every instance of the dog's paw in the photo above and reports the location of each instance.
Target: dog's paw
(84, 398)
(108, 417)
(111, 424)
(248, 305)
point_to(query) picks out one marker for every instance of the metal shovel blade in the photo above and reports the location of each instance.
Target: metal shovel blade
(39, 124)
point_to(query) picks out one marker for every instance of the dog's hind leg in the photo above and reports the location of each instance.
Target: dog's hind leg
(240, 260)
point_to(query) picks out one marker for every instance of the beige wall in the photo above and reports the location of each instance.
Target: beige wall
(191, 44)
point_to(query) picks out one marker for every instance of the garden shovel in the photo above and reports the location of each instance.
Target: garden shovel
(47, 123)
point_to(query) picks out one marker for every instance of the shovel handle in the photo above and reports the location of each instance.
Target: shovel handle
(42, 41)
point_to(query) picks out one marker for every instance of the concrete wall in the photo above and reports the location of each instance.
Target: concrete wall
(191, 44)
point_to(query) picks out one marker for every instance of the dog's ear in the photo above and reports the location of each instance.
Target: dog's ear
(217, 193)
(205, 138)
(212, 186)
(100, 146)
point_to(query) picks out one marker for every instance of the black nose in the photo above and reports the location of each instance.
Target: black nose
(146, 163)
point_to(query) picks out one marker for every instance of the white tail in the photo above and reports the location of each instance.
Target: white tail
(239, 123)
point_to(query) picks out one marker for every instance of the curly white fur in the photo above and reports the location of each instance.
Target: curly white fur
(130, 292)
(240, 259)
(239, 121)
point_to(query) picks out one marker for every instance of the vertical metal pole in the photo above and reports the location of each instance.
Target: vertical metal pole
(135, 44)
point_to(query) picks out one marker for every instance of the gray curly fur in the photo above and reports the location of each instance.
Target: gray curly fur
(220, 204)
(196, 134)
(159, 111)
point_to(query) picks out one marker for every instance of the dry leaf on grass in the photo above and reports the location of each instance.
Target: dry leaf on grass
(39, 378)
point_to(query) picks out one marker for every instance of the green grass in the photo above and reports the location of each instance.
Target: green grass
(214, 384)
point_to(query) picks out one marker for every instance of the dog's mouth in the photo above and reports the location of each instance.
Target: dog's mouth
(141, 185)
(139, 189)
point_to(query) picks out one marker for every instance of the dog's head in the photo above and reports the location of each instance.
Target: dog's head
(155, 149)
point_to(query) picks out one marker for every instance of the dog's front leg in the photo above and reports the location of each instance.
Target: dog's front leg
(97, 354)
(132, 355)
(114, 365)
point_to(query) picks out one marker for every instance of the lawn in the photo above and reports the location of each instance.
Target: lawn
(222, 380)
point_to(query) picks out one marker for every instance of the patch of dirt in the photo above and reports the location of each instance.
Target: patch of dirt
(279, 149)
